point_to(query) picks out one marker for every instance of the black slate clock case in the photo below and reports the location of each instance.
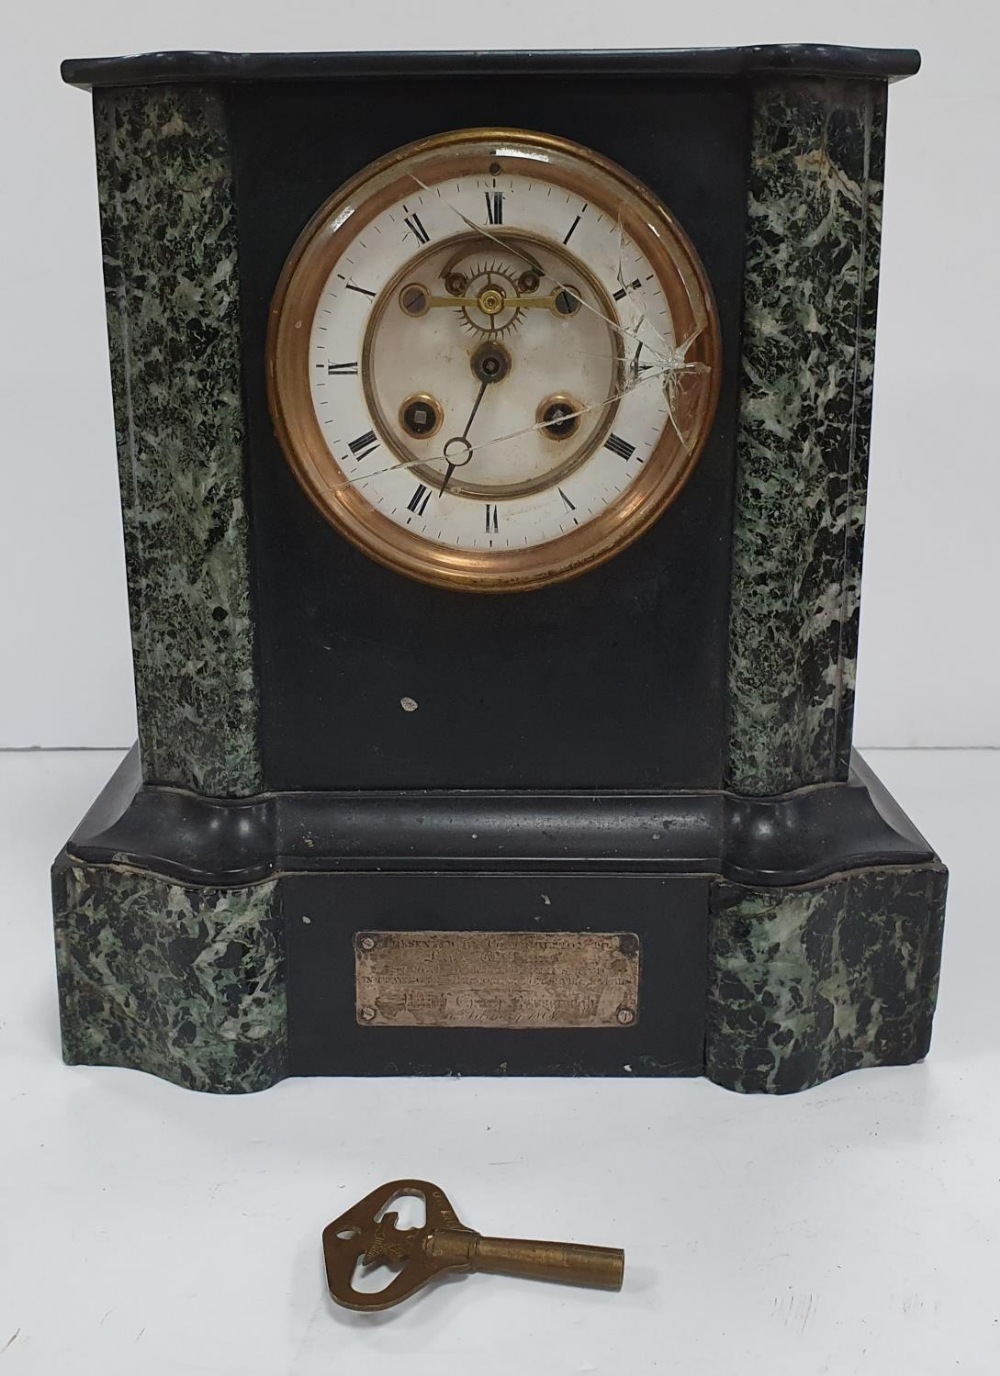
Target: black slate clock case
(660, 747)
(563, 688)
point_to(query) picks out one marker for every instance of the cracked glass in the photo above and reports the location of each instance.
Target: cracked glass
(494, 360)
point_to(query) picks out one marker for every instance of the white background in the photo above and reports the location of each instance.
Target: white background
(851, 1230)
(930, 666)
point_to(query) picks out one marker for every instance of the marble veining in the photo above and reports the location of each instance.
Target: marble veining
(805, 984)
(810, 291)
(185, 982)
(171, 283)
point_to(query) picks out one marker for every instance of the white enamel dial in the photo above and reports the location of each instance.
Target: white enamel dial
(504, 347)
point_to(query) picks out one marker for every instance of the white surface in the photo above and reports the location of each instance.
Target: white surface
(932, 558)
(850, 1229)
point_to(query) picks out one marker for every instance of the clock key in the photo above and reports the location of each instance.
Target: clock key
(369, 1235)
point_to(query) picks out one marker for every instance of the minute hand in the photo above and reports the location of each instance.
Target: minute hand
(465, 433)
(475, 407)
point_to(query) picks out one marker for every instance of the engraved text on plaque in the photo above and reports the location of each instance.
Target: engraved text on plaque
(497, 979)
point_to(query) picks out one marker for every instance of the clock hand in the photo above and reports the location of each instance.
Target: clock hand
(667, 371)
(464, 436)
(654, 372)
(475, 407)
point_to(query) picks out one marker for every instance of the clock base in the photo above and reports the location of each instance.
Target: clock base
(222, 945)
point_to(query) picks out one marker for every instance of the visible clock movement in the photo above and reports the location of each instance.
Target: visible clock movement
(493, 359)
(493, 437)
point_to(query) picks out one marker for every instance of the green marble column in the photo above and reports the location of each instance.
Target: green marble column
(171, 279)
(811, 280)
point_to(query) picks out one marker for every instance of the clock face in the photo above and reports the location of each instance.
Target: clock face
(493, 360)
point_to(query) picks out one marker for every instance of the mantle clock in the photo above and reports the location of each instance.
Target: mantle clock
(493, 437)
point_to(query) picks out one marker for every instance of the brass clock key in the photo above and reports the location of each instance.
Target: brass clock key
(367, 1234)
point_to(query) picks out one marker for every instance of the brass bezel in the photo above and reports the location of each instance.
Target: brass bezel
(419, 286)
(319, 247)
(434, 404)
(555, 399)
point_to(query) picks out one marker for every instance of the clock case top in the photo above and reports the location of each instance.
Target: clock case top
(758, 60)
(717, 652)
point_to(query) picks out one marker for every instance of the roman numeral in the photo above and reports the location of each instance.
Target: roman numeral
(415, 227)
(494, 207)
(418, 502)
(492, 521)
(632, 286)
(342, 369)
(352, 286)
(618, 446)
(363, 445)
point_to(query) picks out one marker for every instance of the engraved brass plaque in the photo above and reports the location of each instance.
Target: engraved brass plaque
(523, 980)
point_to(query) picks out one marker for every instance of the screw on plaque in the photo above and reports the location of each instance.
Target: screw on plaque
(367, 1235)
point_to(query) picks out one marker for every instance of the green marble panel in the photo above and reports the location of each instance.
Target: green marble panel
(810, 292)
(171, 281)
(186, 982)
(805, 984)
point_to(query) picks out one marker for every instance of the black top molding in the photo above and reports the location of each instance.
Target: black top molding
(768, 60)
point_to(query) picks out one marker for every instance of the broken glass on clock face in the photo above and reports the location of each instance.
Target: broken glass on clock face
(493, 360)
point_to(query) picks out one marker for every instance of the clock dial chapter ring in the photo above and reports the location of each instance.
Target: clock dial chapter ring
(467, 336)
(334, 460)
